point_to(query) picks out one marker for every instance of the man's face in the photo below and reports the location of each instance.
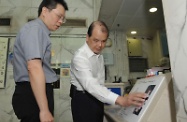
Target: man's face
(53, 18)
(97, 41)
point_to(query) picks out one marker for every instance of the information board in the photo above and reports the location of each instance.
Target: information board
(3, 60)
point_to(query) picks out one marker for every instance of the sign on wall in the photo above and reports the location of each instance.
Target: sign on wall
(3, 62)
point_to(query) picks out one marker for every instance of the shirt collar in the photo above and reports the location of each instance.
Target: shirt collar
(90, 52)
(43, 24)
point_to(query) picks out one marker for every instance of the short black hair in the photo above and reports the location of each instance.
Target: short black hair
(93, 24)
(51, 4)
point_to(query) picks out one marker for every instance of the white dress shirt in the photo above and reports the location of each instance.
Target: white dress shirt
(87, 74)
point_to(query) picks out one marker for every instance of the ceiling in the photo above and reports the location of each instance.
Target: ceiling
(128, 15)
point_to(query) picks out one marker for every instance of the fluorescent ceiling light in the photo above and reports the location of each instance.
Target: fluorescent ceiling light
(133, 32)
(153, 9)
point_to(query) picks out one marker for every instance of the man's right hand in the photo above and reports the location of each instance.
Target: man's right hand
(46, 116)
(136, 99)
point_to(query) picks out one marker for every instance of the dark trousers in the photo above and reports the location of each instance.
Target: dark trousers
(25, 105)
(85, 107)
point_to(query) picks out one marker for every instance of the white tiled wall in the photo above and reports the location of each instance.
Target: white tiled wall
(176, 26)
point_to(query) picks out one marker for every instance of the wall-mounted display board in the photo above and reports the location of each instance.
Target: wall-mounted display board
(134, 47)
(138, 64)
(4, 42)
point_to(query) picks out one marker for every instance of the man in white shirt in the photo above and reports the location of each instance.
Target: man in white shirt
(88, 92)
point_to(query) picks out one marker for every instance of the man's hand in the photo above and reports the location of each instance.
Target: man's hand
(136, 99)
(38, 85)
(46, 116)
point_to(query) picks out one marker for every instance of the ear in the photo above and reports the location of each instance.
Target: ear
(87, 37)
(44, 10)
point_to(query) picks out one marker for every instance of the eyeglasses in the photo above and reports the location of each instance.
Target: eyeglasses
(60, 17)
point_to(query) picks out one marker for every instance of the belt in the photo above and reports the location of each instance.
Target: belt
(73, 91)
(28, 83)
